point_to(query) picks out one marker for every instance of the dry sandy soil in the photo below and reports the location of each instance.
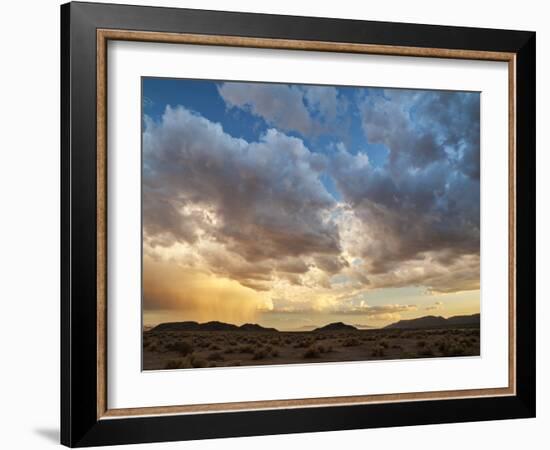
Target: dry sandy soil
(199, 349)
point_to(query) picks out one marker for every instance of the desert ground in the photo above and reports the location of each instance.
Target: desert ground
(202, 349)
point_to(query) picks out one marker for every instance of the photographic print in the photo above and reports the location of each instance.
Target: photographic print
(297, 224)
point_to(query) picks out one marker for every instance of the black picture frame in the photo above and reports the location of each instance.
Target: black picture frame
(80, 425)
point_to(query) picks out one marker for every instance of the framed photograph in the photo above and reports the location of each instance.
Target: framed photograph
(276, 224)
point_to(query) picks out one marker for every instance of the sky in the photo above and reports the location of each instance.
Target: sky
(294, 206)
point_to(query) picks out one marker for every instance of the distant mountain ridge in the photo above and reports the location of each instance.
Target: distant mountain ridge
(437, 322)
(210, 326)
(420, 322)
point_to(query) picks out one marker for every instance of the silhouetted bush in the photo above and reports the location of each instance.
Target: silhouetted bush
(312, 352)
(260, 354)
(426, 352)
(246, 349)
(215, 356)
(351, 342)
(173, 364)
(183, 347)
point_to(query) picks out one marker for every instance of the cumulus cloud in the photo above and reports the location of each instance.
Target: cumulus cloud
(421, 128)
(280, 105)
(257, 214)
(309, 110)
(324, 102)
(419, 214)
(256, 207)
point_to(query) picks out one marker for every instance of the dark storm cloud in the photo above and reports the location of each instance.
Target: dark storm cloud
(330, 264)
(426, 199)
(420, 128)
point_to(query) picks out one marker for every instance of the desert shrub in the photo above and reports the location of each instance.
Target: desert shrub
(312, 352)
(378, 352)
(426, 352)
(397, 347)
(351, 342)
(457, 350)
(246, 349)
(182, 347)
(228, 351)
(324, 348)
(197, 362)
(275, 353)
(451, 349)
(215, 356)
(201, 343)
(173, 364)
(153, 347)
(302, 344)
(260, 354)
(421, 344)
(384, 344)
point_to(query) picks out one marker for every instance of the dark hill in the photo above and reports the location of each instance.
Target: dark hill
(177, 326)
(474, 319)
(256, 328)
(437, 322)
(336, 326)
(217, 326)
